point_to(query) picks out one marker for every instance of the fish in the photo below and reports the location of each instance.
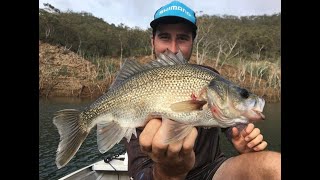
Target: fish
(182, 94)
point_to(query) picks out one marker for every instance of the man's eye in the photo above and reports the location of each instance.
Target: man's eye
(183, 38)
(164, 37)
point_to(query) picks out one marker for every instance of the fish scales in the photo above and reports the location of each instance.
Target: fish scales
(160, 86)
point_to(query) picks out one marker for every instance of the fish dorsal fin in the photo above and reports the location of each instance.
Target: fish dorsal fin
(128, 69)
(167, 58)
(131, 67)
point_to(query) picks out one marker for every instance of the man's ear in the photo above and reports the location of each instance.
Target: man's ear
(152, 42)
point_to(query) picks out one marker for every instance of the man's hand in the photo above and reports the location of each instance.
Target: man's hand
(248, 140)
(171, 161)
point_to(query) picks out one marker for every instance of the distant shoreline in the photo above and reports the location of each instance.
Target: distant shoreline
(63, 73)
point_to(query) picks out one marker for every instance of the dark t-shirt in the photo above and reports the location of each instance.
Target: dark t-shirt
(207, 150)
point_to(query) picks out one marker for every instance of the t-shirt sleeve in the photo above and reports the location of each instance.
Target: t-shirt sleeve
(140, 166)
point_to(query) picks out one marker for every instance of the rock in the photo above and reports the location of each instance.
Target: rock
(64, 73)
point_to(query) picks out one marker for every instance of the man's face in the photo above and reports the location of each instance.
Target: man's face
(174, 37)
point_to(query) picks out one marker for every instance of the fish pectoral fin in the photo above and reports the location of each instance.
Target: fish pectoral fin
(111, 133)
(174, 130)
(187, 106)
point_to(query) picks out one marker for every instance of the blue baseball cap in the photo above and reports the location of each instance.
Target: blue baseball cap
(174, 12)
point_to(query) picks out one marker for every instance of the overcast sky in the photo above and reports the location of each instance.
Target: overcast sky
(140, 12)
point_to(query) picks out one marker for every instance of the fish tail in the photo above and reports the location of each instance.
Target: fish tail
(72, 134)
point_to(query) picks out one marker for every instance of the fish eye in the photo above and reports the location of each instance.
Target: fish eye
(244, 93)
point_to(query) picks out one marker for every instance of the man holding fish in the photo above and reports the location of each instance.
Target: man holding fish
(175, 110)
(198, 155)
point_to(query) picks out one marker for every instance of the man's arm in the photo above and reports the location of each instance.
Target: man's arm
(172, 161)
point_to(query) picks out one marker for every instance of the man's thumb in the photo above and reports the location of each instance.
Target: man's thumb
(235, 133)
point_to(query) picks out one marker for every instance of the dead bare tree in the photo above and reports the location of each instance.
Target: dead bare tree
(48, 31)
(205, 49)
(257, 55)
(203, 41)
(227, 51)
(66, 49)
(220, 47)
(242, 69)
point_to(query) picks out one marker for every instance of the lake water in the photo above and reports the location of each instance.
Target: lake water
(88, 152)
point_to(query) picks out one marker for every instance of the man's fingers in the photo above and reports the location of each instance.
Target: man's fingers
(174, 149)
(253, 134)
(148, 134)
(249, 128)
(189, 141)
(159, 148)
(235, 133)
(255, 141)
(152, 142)
(261, 146)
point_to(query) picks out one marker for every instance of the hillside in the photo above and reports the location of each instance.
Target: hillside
(63, 73)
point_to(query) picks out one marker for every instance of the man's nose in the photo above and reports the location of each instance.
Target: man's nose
(174, 47)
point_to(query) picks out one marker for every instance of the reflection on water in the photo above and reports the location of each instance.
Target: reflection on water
(88, 152)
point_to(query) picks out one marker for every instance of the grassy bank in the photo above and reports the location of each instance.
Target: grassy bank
(262, 77)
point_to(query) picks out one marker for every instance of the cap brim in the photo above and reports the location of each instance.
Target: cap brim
(171, 20)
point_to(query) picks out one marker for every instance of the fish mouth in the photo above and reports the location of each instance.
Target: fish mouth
(259, 115)
(253, 115)
(259, 108)
(255, 112)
